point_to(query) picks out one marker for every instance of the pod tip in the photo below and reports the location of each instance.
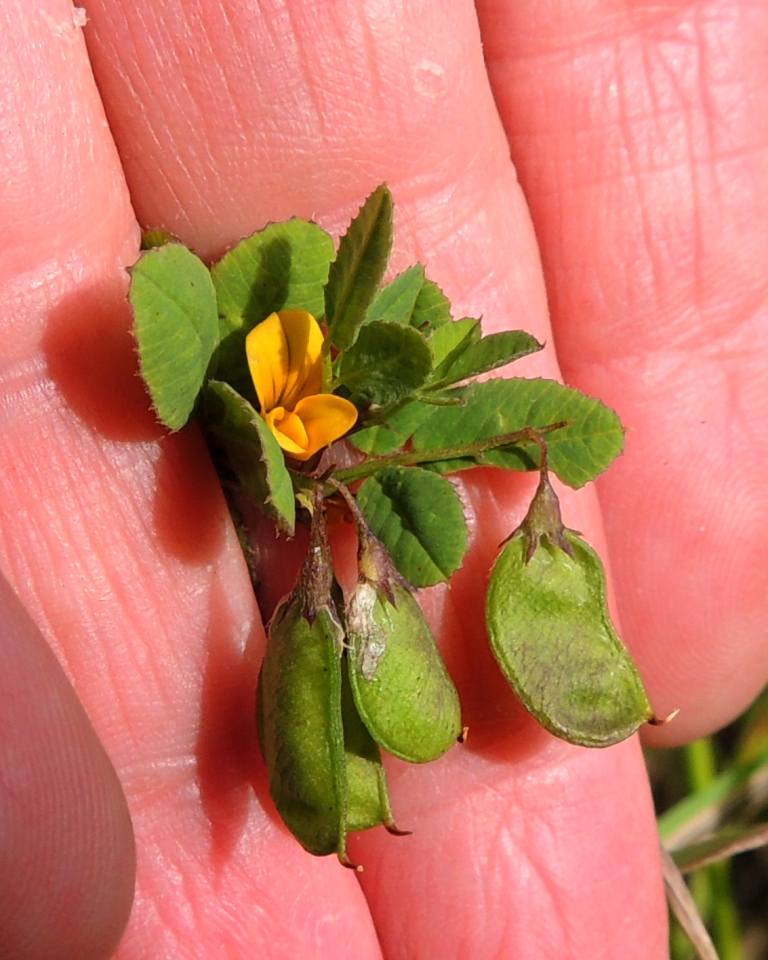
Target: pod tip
(396, 831)
(655, 721)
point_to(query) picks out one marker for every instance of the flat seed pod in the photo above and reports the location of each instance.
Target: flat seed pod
(301, 727)
(400, 685)
(367, 791)
(553, 638)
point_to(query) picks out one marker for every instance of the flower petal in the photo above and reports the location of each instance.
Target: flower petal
(289, 432)
(305, 363)
(284, 355)
(325, 418)
(266, 349)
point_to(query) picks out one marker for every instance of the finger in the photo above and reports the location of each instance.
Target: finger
(120, 545)
(641, 136)
(67, 859)
(306, 108)
(541, 863)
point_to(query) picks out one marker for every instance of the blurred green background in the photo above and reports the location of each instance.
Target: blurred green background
(712, 802)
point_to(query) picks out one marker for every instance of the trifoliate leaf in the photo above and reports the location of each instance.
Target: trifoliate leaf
(577, 453)
(252, 451)
(431, 309)
(176, 327)
(396, 301)
(390, 436)
(387, 362)
(358, 269)
(283, 267)
(418, 516)
(450, 340)
(481, 356)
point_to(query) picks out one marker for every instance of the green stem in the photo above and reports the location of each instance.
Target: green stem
(712, 885)
(700, 764)
(462, 451)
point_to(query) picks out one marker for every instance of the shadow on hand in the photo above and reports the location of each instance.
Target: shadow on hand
(229, 765)
(91, 357)
(190, 515)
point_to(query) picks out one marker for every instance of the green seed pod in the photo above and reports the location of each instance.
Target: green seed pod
(299, 709)
(368, 794)
(401, 688)
(302, 734)
(551, 633)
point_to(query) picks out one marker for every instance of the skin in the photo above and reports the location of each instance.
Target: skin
(634, 208)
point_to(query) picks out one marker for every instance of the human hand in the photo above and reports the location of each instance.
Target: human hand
(640, 136)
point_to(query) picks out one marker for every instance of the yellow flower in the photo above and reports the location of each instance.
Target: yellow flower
(285, 359)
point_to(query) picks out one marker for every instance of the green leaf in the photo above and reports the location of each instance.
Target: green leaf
(489, 353)
(283, 267)
(450, 340)
(358, 269)
(387, 362)
(390, 436)
(176, 327)
(253, 453)
(577, 453)
(395, 302)
(550, 632)
(419, 518)
(431, 309)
